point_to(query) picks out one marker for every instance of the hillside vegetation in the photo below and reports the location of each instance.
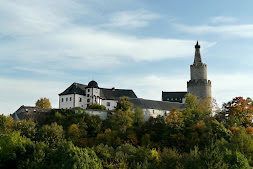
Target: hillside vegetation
(200, 136)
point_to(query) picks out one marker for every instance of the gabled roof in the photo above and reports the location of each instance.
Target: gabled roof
(115, 94)
(76, 88)
(27, 112)
(168, 96)
(153, 104)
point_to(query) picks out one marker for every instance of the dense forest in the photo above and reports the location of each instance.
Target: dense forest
(200, 136)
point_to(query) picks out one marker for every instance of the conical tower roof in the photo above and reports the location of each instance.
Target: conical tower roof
(197, 58)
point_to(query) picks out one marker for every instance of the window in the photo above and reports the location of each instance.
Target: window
(108, 104)
(80, 99)
(66, 99)
(88, 90)
(87, 105)
(70, 98)
(88, 95)
(88, 100)
(62, 100)
(153, 111)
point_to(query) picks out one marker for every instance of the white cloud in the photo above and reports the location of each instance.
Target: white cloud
(244, 30)
(132, 19)
(17, 92)
(223, 19)
(81, 45)
(45, 35)
(34, 17)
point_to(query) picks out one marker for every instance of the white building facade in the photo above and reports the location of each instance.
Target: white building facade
(80, 95)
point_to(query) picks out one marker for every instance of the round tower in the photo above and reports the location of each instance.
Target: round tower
(199, 85)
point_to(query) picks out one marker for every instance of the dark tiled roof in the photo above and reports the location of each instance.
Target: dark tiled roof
(75, 88)
(115, 94)
(152, 104)
(28, 112)
(176, 96)
(39, 115)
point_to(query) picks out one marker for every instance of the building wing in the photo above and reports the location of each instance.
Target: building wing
(173, 96)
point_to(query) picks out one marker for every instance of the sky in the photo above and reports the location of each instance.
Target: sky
(143, 45)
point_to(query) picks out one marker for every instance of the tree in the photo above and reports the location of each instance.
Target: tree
(243, 143)
(68, 156)
(175, 120)
(52, 135)
(122, 118)
(6, 124)
(27, 128)
(237, 112)
(236, 160)
(96, 106)
(138, 116)
(20, 152)
(43, 103)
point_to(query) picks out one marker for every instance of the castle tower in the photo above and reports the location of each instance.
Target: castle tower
(199, 85)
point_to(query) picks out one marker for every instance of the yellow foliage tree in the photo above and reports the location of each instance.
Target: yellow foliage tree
(43, 103)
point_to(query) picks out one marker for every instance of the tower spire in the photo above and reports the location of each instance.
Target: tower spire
(197, 58)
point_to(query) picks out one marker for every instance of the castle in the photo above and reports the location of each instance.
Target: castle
(80, 95)
(198, 85)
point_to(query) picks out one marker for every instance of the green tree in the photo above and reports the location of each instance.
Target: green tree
(195, 110)
(236, 160)
(138, 116)
(43, 103)
(122, 118)
(20, 152)
(26, 128)
(52, 134)
(68, 156)
(6, 124)
(243, 142)
(73, 133)
(96, 106)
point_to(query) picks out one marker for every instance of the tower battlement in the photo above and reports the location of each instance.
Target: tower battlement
(195, 82)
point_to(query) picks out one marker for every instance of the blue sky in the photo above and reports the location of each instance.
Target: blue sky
(143, 45)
